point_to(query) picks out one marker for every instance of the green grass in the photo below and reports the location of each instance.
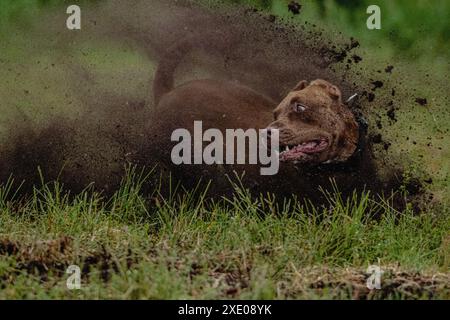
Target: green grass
(184, 246)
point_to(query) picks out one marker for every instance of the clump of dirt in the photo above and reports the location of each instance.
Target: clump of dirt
(391, 114)
(356, 58)
(353, 282)
(336, 54)
(422, 101)
(376, 139)
(53, 257)
(377, 84)
(294, 7)
(40, 257)
(102, 261)
(233, 281)
(389, 69)
(8, 247)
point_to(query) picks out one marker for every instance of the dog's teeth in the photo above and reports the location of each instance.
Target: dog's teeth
(287, 148)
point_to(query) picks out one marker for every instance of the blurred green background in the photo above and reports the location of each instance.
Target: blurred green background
(411, 28)
(414, 29)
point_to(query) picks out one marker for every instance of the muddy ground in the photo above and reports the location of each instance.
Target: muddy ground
(50, 259)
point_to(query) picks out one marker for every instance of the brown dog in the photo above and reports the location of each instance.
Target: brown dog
(314, 125)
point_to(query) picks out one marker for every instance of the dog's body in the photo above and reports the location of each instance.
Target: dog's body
(218, 104)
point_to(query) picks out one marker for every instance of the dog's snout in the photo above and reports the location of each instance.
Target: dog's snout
(276, 125)
(273, 136)
(271, 130)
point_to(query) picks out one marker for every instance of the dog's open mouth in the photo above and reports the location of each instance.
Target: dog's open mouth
(303, 151)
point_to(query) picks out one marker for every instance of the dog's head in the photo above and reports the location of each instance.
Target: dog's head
(314, 125)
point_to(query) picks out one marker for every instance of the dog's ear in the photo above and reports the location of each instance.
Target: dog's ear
(334, 92)
(301, 85)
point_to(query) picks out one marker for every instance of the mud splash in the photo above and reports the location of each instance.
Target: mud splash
(110, 129)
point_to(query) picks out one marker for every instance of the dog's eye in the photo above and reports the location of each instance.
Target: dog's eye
(298, 107)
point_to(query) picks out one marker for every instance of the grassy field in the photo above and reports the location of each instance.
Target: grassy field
(129, 247)
(136, 246)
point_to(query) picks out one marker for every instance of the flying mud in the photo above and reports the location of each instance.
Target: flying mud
(109, 129)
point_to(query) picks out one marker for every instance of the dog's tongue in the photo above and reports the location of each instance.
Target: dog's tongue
(309, 147)
(298, 152)
(301, 151)
(292, 155)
